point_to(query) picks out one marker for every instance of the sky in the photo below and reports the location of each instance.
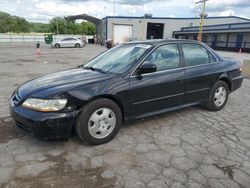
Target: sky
(44, 10)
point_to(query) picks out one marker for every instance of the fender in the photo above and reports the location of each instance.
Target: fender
(225, 77)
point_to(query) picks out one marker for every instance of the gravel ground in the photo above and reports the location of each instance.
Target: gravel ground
(191, 147)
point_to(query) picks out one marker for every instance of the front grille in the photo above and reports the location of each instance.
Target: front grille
(23, 127)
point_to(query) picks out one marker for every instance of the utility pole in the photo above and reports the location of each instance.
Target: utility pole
(65, 26)
(202, 18)
(57, 26)
(66, 19)
(113, 37)
(114, 7)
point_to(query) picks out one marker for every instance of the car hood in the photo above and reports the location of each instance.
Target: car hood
(72, 76)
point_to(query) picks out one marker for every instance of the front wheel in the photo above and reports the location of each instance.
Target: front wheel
(218, 96)
(77, 45)
(57, 45)
(99, 122)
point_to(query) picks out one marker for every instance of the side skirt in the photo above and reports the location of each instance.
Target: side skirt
(160, 111)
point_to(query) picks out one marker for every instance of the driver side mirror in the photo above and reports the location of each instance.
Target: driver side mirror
(147, 68)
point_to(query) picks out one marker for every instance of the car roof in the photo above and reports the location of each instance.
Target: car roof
(156, 42)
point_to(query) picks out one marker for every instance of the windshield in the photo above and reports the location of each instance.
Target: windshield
(119, 59)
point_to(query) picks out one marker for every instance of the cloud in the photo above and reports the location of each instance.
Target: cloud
(44, 10)
(215, 6)
(227, 13)
(127, 2)
(52, 8)
(129, 8)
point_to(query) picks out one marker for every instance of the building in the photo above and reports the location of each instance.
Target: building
(230, 37)
(223, 33)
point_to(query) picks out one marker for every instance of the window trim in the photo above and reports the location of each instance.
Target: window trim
(132, 75)
(208, 51)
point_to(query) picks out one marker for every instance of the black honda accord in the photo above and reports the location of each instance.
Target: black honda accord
(130, 81)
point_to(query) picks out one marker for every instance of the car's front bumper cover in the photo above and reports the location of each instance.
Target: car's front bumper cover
(42, 125)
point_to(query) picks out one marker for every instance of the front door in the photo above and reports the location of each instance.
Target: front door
(161, 89)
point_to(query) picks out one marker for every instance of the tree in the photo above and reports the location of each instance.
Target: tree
(87, 28)
(39, 28)
(15, 24)
(57, 24)
(71, 27)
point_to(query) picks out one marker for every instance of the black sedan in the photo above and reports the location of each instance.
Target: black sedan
(130, 81)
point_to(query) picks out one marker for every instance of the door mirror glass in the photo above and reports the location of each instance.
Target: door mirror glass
(147, 68)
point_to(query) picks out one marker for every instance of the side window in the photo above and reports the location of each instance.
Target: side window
(165, 57)
(211, 58)
(195, 54)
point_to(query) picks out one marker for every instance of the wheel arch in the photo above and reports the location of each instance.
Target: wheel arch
(224, 77)
(110, 97)
(77, 44)
(57, 44)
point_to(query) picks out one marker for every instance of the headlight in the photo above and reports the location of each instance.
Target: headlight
(45, 105)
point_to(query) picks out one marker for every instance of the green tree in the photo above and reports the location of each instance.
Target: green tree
(15, 24)
(39, 28)
(57, 24)
(71, 27)
(87, 28)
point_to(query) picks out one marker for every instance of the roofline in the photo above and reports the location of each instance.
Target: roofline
(159, 41)
(215, 25)
(232, 30)
(171, 18)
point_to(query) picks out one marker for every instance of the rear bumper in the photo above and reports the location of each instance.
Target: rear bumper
(48, 126)
(236, 82)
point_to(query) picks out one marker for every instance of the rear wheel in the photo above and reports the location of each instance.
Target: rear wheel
(218, 96)
(99, 122)
(77, 45)
(57, 45)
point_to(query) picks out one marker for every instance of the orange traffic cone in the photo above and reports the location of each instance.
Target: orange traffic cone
(38, 51)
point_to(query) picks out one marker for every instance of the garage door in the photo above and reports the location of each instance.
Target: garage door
(122, 33)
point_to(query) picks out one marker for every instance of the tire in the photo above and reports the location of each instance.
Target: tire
(214, 102)
(57, 45)
(98, 118)
(77, 45)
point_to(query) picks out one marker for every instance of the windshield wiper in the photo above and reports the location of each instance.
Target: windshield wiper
(90, 68)
(94, 69)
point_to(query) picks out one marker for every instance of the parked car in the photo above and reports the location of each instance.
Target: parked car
(68, 42)
(130, 81)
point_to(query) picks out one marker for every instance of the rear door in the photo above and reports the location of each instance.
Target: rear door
(202, 70)
(72, 42)
(64, 42)
(162, 89)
